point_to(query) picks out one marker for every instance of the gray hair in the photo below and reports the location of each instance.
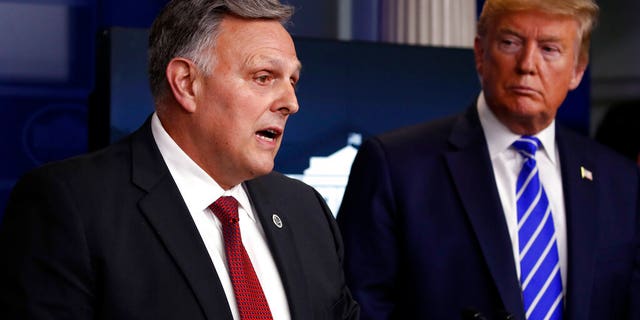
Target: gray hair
(186, 28)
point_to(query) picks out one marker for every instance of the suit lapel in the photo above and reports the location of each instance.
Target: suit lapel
(470, 166)
(579, 195)
(282, 246)
(166, 212)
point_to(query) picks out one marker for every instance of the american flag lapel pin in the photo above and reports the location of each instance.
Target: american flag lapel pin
(586, 174)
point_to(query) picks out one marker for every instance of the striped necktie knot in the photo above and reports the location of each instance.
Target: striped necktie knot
(527, 146)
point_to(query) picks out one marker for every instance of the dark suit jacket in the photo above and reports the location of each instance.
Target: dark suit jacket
(426, 238)
(108, 236)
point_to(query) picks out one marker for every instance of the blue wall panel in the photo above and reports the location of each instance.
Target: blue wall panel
(46, 75)
(36, 131)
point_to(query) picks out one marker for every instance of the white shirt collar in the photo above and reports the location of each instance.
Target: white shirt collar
(499, 137)
(197, 188)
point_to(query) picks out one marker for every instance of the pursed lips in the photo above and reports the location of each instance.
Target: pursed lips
(522, 90)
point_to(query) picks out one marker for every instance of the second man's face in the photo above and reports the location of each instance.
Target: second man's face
(527, 63)
(244, 103)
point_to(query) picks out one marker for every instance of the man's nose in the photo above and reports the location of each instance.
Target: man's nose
(287, 102)
(527, 59)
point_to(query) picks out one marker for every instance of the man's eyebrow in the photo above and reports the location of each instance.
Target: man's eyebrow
(298, 66)
(509, 31)
(542, 38)
(260, 59)
(550, 38)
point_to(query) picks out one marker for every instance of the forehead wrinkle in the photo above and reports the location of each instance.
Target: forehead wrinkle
(510, 31)
(259, 59)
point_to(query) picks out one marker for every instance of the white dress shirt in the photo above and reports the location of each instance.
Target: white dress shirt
(199, 191)
(507, 163)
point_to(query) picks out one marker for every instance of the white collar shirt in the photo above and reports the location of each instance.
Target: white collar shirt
(199, 191)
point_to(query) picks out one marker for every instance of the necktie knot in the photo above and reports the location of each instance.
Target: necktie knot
(226, 209)
(527, 146)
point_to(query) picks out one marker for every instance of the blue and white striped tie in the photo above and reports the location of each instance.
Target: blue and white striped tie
(540, 276)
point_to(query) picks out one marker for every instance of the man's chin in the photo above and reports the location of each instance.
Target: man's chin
(262, 169)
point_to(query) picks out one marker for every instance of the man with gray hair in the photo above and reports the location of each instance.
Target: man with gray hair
(184, 219)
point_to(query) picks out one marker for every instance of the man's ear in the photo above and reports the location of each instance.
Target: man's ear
(578, 72)
(182, 75)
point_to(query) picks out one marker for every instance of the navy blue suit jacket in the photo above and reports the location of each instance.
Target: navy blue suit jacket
(426, 238)
(108, 236)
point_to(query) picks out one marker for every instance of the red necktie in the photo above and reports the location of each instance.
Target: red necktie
(249, 296)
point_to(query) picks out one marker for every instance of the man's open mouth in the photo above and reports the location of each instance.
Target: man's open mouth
(268, 134)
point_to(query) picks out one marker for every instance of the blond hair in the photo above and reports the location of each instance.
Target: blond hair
(585, 12)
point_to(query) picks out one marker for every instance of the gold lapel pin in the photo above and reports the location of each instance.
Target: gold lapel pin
(586, 174)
